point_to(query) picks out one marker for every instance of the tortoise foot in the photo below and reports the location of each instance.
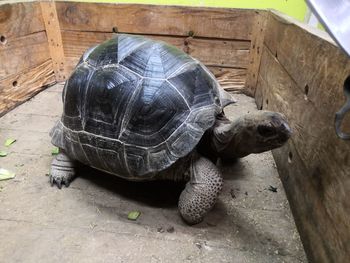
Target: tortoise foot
(62, 170)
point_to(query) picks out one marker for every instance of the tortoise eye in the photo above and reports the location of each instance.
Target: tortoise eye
(266, 131)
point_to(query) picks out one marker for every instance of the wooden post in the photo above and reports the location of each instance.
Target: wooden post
(256, 46)
(54, 37)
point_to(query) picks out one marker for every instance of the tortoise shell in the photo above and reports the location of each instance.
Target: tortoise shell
(134, 106)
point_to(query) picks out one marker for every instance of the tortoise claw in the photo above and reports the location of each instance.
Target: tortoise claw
(51, 181)
(59, 183)
(66, 182)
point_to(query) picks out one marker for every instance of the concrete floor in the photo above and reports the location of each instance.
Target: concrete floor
(87, 222)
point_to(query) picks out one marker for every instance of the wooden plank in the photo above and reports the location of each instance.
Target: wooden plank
(312, 60)
(315, 164)
(54, 39)
(259, 96)
(18, 88)
(157, 20)
(70, 63)
(256, 46)
(211, 52)
(227, 59)
(20, 19)
(230, 79)
(232, 54)
(23, 53)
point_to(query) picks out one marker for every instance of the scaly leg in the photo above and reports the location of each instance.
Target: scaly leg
(201, 192)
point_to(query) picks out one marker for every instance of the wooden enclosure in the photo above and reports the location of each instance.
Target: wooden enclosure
(287, 66)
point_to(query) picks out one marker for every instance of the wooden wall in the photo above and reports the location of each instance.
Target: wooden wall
(41, 42)
(25, 63)
(301, 75)
(221, 37)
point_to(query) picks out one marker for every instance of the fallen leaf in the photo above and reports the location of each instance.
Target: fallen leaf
(55, 150)
(133, 215)
(9, 141)
(6, 174)
(3, 153)
(93, 225)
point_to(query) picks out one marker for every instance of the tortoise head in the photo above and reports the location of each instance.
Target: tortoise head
(253, 133)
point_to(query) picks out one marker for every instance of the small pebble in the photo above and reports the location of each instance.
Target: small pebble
(170, 229)
(272, 189)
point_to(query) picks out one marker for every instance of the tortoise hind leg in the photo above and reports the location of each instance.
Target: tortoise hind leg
(62, 170)
(201, 192)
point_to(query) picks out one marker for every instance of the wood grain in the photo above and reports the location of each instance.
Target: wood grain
(54, 39)
(222, 53)
(22, 53)
(20, 19)
(315, 164)
(221, 36)
(157, 20)
(256, 46)
(18, 88)
(227, 59)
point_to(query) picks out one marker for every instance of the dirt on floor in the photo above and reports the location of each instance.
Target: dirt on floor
(87, 222)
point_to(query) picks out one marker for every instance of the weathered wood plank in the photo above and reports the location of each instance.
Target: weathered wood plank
(315, 164)
(18, 88)
(53, 33)
(256, 46)
(211, 52)
(157, 20)
(232, 54)
(22, 53)
(20, 19)
(230, 79)
(227, 59)
(315, 63)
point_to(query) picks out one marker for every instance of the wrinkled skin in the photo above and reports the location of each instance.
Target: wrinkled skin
(252, 133)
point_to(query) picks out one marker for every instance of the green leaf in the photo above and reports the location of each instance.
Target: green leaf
(6, 174)
(55, 150)
(133, 215)
(9, 141)
(3, 153)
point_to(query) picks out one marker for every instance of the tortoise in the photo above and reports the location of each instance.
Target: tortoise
(144, 110)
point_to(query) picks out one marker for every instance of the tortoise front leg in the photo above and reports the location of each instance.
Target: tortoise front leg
(62, 170)
(201, 192)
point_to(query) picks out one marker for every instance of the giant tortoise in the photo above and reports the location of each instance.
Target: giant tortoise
(143, 110)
